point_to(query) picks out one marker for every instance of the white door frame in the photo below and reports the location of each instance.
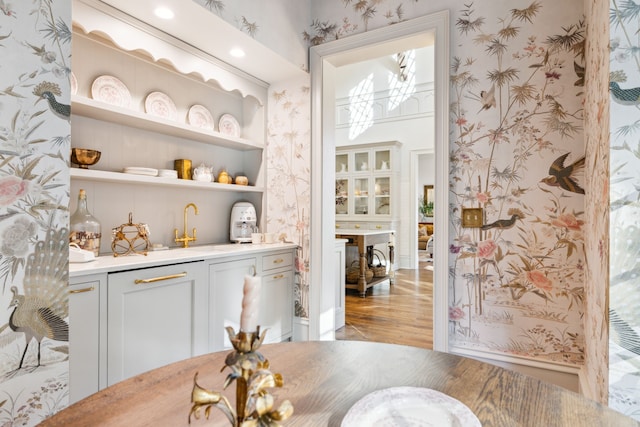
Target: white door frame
(322, 216)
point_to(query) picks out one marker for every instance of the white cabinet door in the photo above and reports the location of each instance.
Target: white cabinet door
(226, 282)
(276, 306)
(156, 316)
(84, 335)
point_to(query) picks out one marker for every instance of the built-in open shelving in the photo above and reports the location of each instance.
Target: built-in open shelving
(98, 110)
(128, 178)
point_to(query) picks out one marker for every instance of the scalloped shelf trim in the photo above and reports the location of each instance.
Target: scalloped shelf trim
(138, 37)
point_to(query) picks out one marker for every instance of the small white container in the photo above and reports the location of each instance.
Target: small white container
(256, 238)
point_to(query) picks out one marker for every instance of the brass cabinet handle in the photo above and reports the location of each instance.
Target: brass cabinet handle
(279, 276)
(79, 291)
(337, 225)
(278, 261)
(378, 227)
(158, 279)
(357, 225)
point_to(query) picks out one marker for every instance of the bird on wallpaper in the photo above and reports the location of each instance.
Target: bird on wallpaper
(565, 176)
(49, 91)
(624, 96)
(487, 98)
(503, 224)
(40, 313)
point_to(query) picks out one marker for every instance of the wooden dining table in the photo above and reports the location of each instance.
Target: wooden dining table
(324, 379)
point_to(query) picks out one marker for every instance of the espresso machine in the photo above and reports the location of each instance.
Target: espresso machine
(244, 221)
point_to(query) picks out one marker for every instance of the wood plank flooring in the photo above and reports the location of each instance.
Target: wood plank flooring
(401, 313)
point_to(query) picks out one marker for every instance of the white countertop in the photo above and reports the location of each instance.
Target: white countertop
(361, 232)
(109, 263)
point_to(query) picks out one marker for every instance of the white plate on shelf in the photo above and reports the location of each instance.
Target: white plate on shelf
(200, 117)
(160, 105)
(228, 125)
(73, 83)
(112, 91)
(410, 407)
(135, 170)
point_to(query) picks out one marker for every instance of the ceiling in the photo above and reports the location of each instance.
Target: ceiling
(200, 28)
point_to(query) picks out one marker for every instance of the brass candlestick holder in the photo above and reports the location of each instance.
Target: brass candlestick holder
(250, 371)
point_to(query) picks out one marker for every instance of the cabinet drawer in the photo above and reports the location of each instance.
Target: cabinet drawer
(276, 261)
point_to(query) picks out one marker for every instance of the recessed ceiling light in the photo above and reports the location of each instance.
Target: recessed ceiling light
(236, 52)
(164, 12)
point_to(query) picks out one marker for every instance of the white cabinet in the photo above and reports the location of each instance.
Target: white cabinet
(226, 281)
(87, 323)
(367, 182)
(156, 316)
(276, 306)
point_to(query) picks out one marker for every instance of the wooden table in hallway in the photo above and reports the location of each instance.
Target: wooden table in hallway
(365, 240)
(324, 379)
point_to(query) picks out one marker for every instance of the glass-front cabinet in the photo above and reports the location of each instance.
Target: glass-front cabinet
(366, 177)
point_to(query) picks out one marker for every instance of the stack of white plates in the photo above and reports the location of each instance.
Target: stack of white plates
(141, 171)
(167, 173)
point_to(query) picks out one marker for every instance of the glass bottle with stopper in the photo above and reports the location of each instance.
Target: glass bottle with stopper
(85, 229)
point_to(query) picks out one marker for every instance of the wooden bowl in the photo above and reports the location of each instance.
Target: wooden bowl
(84, 157)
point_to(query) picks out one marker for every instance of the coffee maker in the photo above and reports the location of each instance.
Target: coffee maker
(243, 222)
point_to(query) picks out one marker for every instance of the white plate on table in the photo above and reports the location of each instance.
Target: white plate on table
(200, 117)
(112, 91)
(410, 407)
(228, 125)
(159, 104)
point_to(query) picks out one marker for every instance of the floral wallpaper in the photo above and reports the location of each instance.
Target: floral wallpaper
(518, 153)
(594, 381)
(288, 172)
(624, 247)
(35, 41)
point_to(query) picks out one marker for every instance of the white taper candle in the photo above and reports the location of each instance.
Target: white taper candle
(250, 303)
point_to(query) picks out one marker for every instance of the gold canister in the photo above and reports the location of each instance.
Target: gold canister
(183, 167)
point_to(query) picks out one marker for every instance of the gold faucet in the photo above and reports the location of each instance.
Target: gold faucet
(185, 239)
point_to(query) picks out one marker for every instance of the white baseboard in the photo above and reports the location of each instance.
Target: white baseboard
(561, 375)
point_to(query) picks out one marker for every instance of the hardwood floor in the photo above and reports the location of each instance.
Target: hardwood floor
(398, 314)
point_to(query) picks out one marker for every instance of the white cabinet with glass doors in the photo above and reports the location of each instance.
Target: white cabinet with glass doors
(366, 181)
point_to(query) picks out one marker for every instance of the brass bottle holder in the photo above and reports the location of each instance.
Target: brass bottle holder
(130, 238)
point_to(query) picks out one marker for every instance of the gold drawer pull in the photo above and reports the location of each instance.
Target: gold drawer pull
(357, 225)
(158, 279)
(279, 276)
(378, 227)
(337, 225)
(79, 291)
(278, 261)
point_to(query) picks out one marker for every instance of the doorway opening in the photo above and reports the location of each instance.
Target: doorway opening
(430, 30)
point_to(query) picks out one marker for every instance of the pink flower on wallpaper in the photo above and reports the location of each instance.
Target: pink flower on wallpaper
(482, 197)
(539, 280)
(456, 314)
(12, 188)
(461, 121)
(568, 221)
(487, 248)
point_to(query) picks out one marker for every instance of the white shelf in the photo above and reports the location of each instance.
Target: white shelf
(127, 178)
(91, 108)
